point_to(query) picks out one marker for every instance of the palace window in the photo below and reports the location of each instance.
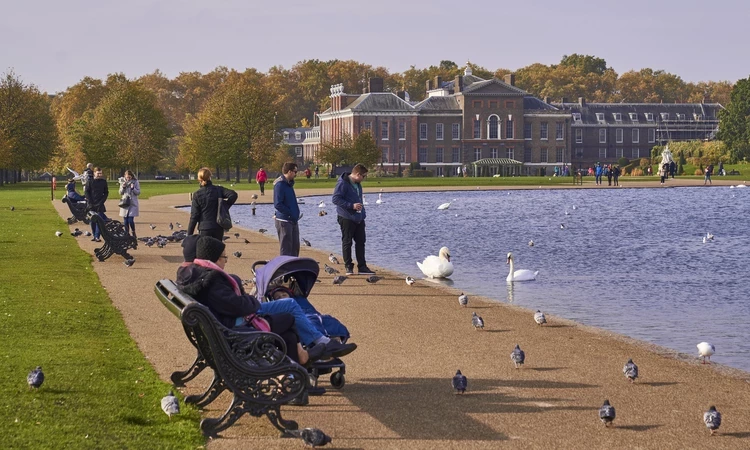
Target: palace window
(384, 131)
(422, 131)
(527, 130)
(492, 128)
(456, 131)
(439, 131)
(543, 131)
(509, 129)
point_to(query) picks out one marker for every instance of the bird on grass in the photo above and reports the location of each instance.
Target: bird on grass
(333, 259)
(237, 254)
(170, 405)
(129, 262)
(409, 281)
(262, 231)
(12, 208)
(329, 270)
(477, 321)
(712, 419)
(312, 437)
(518, 356)
(339, 279)
(373, 279)
(630, 370)
(463, 299)
(58, 233)
(705, 350)
(459, 382)
(305, 242)
(607, 413)
(35, 378)
(539, 318)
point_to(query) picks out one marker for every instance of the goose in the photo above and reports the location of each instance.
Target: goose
(379, 201)
(446, 205)
(521, 274)
(437, 266)
(705, 350)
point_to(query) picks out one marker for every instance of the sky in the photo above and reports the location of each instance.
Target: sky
(53, 44)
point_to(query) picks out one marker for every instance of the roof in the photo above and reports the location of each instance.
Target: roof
(532, 103)
(497, 162)
(379, 101)
(692, 111)
(509, 89)
(292, 139)
(441, 104)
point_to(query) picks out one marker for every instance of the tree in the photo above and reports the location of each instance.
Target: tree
(364, 150)
(585, 63)
(336, 152)
(734, 125)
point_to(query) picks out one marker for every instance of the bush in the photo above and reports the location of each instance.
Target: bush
(421, 173)
(622, 162)
(698, 172)
(414, 166)
(636, 172)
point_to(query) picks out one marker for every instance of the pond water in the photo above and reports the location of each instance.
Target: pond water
(628, 260)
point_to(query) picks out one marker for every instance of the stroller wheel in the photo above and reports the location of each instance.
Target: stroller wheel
(338, 380)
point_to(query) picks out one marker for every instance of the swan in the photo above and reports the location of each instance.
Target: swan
(379, 201)
(446, 205)
(705, 350)
(322, 205)
(364, 200)
(521, 274)
(437, 266)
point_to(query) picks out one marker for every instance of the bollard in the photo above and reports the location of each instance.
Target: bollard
(190, 196)
(253, 210)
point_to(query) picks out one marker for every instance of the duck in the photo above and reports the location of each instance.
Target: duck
(521, 274)
(379, 201)
(437, 266)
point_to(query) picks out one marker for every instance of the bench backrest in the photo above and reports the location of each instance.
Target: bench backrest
(170, 295)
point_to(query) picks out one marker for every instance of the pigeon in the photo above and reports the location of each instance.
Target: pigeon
(152, 226)
(333, 259)
(35, 378)
(236, 222)
(262, 231)
(150, 243)
(330, 270)
(170, 405)
(409, 281)
(539, 318)
(254, 196)
(705, 350)
(87, 233)
(161, 243)
(178, 224)
(237, 254)
(246, 241)
(517, 356)
(709, 236)
(237, 235)
(463, 299)
(305, 242)
(712, 419)
(76, 233)
(171, 226)
(575, 207)
(129, 262)
(531, 243)
(477, 321)
(12, 208)
(607, 413)
(373, 279)
(58, 233)
(630, 370)
(312, 437)
(339, 279)
(459, 382)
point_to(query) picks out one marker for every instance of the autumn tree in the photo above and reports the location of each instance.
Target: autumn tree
(364, 150)
(734, 126)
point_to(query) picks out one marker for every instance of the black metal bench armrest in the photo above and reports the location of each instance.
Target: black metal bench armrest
(116, 239)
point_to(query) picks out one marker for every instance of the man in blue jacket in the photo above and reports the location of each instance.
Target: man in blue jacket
(347, 196)
(287, 211)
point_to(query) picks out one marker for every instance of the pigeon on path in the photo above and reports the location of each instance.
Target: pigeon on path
(171, 226)
(262, 231)
(312, 437)
(630, 370)
(518, 356)
(607, 413)
(237, 235)
(463, 299)
(254, 196)
(330, 270)
(305, 242)
(333, 259)
(460, 382)
(705, 350)
(35, 378)
(409, 281)
(539, 318)
(170, 405)
(152, 226)
(339, 279)
(246, 241)
(477, 321)
(237, 254)
(373, 279)
(712, 419)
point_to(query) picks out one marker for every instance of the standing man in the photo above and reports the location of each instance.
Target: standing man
(347, 196)
(287, 211)
(317, 172)
(96, 192)
(261, 178)
(88, 175)
(709, 170)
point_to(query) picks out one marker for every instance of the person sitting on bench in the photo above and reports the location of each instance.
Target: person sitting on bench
(72, 194)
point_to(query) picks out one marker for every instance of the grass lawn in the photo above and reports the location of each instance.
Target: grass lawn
(100, 391)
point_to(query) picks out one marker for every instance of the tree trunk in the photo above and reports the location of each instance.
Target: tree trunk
(218, 172)
(237, 174)
(229, 173)
(249, 171)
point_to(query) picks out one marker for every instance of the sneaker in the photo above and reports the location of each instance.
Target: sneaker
(337, 349)
(365, 271)
(315, 352)
(350, 270)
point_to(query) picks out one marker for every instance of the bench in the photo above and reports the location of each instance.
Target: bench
(252, 365)
(734, 172)
(78, 209)
(116, 239)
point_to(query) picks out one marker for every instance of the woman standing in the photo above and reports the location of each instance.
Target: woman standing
(261, 177)
(130, 189)
(205, 206)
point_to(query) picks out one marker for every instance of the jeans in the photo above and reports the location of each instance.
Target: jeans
(351, 230)
(95, 228)
(262, 185)
(305, 329)
(129, 221)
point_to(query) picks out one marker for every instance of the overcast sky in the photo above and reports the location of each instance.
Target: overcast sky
(55, 43)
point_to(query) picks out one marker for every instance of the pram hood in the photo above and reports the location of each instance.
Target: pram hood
(305, 271)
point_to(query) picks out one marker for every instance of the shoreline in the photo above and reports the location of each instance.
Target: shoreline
(412, 339)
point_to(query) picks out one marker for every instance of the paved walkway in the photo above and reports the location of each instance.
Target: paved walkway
(412, 340)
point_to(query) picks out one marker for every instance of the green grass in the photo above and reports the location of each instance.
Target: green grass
(100, 391)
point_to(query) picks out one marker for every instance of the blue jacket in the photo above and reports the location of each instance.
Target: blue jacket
(599, 170)
(345, 196)
(285, 200)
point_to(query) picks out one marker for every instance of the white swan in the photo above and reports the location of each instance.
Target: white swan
(322, 205)
(446, 205)
(380, 199)
(437, 266)
(521, 274)
(364, 200)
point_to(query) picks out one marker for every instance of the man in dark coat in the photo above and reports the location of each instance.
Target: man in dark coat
(96, 193)
(287, 211)
(347, 196)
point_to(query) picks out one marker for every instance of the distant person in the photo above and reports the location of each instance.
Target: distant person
(672, 169)
(663, 172)
(463, 170)
(709, 170)
(347, 196)
(648, 170)
(608, 173)
(287, 211)
(96, 192)
(308, 173)
(317, 172)
(616, 174)
(71, 193)
(261, 177)
(722, 172)
(205, 206)
(598, 170)
(130, 187)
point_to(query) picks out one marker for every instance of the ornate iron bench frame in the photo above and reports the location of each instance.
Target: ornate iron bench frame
(78, 209)
(116, 239)
(253, 365)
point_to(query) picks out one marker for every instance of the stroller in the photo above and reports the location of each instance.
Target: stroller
(299, 276)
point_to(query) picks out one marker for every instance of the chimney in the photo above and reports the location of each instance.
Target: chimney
(510, 79)
(458, 84)
(428, 85)
(376, 84)
(565, 100)
(438, 82)
(582, 101)
(401, 95)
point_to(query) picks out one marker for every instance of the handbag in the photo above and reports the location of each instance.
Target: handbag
(258, 322)
(222, 215)
(124, 201)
